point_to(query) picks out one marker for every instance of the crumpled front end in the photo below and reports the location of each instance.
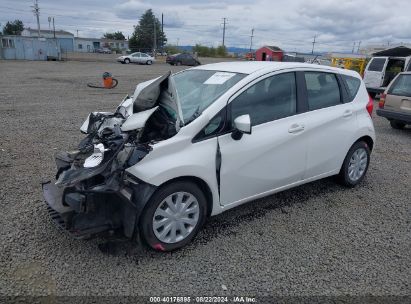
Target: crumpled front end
(92, 192)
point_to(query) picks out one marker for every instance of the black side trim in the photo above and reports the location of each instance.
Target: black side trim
(302, 100)
(391, 115)
(218, 166)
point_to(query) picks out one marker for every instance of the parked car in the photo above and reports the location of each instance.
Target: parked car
(395, 102)
(103, 51)
(137, 57)
(380, 71)
(182, 59)
(194, 144)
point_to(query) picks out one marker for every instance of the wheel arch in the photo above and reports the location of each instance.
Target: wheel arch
(204, 187)
(368, 140)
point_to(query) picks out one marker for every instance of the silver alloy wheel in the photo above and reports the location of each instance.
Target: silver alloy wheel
(358, 164)
(176, 217)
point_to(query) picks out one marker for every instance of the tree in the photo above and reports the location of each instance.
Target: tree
(115, 36)
(13, 28)
(143, 35)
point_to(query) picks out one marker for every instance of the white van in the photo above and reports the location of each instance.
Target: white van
(381, 70)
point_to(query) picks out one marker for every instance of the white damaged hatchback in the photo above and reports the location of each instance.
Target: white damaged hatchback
(191, 145)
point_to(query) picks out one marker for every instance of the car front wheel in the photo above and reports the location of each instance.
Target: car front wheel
(173, 216)
(127, 60)
(355, 164)
(149, 62)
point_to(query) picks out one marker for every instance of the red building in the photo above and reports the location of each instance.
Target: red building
(269, 53)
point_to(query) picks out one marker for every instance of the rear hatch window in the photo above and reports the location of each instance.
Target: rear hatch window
(401, 86)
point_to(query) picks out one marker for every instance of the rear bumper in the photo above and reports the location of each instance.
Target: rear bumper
(391, 115)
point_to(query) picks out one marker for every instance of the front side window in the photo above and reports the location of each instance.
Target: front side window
(322, 90)
(197, 89)
(377, 64)
(353, 84)
(270, 99)
(136, 55)
(401, 86)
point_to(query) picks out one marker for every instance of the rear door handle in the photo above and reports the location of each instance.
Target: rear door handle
(347, 113)
(295, 128)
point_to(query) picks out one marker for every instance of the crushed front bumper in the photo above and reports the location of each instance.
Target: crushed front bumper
(84, 214)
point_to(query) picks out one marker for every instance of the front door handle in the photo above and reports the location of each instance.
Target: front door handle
(347, 113)
(295, 128)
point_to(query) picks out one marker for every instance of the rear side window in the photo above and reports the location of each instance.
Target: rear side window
(353, 84)
(377, 64)
(322, 90)
(401, 86)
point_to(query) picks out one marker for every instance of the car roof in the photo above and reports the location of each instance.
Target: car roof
(250, 67)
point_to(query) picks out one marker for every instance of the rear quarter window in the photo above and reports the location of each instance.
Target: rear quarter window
(376, 64)
(352, 84)
(401, 86)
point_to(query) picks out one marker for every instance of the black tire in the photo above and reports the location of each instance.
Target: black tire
(344, 177)
(178, 63)
(397, 124)
(149, 62)
(146, 220)
(127, 60)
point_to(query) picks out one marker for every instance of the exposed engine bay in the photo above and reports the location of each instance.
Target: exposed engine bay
(92, 192)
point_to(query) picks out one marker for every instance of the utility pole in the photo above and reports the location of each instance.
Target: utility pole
(224, 22)
(251, 40)
(36, 11)
(353, 47)
(49, 19)
(54, 30)
(77, 33)
(162, 32)
(154, 38)
(312, 51)
(358, 49)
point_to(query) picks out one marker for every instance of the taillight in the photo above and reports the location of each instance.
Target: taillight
(370, 105)
(382, 100)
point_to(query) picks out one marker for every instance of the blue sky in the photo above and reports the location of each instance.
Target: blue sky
(290, 24)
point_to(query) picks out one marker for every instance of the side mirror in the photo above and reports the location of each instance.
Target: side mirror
(242, 126)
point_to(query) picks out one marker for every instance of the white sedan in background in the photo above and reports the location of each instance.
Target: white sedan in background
(137, 57)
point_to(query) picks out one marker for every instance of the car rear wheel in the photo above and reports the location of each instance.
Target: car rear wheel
(355, 164)
(397, 125)
(126, 60)
(149, 62)
(178, 63)
(173, 216)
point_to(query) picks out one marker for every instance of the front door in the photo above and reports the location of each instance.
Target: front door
(273, 155)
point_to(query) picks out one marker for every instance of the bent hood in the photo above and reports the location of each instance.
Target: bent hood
(160, 91)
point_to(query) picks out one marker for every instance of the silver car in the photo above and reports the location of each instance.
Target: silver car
(137, 57)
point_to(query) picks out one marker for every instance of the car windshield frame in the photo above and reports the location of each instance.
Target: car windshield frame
(196, 97)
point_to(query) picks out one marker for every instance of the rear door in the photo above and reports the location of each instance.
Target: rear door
(330, 123)
(374, 72)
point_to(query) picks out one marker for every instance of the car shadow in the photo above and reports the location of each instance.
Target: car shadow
(228, 223)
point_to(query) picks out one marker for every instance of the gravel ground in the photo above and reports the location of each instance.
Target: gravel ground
(317, 239)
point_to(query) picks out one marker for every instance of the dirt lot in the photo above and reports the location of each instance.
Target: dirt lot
(318, 239)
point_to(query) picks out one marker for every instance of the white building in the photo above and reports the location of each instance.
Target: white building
(65, 39)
